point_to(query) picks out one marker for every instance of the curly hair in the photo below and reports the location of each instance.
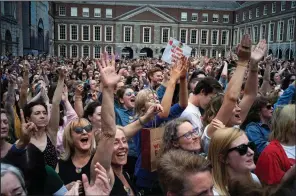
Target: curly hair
(212, 109)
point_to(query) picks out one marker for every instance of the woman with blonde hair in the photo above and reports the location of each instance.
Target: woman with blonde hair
(277, 160)
(231, 155)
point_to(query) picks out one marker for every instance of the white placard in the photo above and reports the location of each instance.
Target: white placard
(174, 49)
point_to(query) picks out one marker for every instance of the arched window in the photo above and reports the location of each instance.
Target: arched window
(74, 51)
(214, 53)
(97, 52)
(85, 51)
(193, 52)
(62, 50)
(109, 49)
(203, 52)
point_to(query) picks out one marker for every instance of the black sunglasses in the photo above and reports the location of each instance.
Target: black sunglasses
(268, 106)
(79, 130)
(243, 148)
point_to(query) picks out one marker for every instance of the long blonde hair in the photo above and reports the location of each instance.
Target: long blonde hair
(219, 146)
(140, 102)
(68, 142)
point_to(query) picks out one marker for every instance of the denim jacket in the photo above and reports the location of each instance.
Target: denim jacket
(286, 97)
(258, 133)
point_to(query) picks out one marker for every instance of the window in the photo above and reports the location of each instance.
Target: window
(146, 34)
(214, 37)
(194, 17)
(193, 52)
(62, 32)
(62, 50)
(225, 18)
(62, 11)
(97, 52)
(74, 51)
(97, 33)
(235, 37)
(204, 36)
(250, 14)
(283, 5)
(280, 32)
(85, 33)
(205, 17)
(244, 16)
(193, 36)
(273, 7)
(127, 34)
(165, 35)
(257, 12)
(109, 49)
(242, 32)
(108, 13)
(291, 29)
(265, 10)
(249, 31)
(215, 17)
(109, 33)
(293, 4)
(73, 32)
(214, 53)
(203, 52)
(263, 31)
(97, 12)
(183, 16)
(225, 37)
(255, 32)
(236, 18)
(73, 11)
(85, 12)
(85, 51)
(183, 35)
(271, 32)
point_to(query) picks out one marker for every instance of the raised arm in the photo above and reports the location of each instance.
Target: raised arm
(10, 99)
(78, 105)
(251, 87)
(183, 91)
(24, 86)
(105, 144)
(266, 77)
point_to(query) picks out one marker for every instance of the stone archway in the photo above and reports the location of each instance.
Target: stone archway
(289, 54)
(270, 52)
(279, 53)
(146, 52)
(127, 52)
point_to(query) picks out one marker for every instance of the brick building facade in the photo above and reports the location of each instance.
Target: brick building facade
(142, 29)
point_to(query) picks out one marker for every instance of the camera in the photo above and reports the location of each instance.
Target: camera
(86, 87)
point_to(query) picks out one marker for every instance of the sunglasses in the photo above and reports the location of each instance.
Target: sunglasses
(190, 134)
(79, 130)
(130, 94)
(243, 148)
(268, 106)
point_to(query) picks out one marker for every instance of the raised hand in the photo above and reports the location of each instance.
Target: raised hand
(28, 129)
(79, 90)
(62, 72)
(109, 78)
(177, 70)
(244, 49)
(65, 93)
(73, 190)
(259, 52)
(186, 65)
(152, 112)
(217, 124)
(101, 185)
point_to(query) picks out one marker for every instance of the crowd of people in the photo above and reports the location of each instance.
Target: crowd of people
(74, 126)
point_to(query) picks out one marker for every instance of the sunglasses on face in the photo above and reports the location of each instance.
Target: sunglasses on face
(190, 134)
(130, 94)
(243, 148)
(79, 130)
(268, 106)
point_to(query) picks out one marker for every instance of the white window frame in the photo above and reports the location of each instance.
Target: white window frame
(149, 35)
(226, 17)
(254, 35)
(215, 16)
(203, 15)
(64, 10)
(77, 26)
(106, 33)
(194, 14)
(288, 29)
(273, 7)
(94, 27)
(82, 33)
(283, 5)
(293, 4)
(250, 14)
(72, 11)
(269, 33)
(94, 51)
(279, 31)
(95, 9)
(217, 39)
(261, 32)
(206, 54)
(59, 38)
(169, 33)
(109, 15)
(86, 8)
(71, 46)
(265, 10)
(207, 39)
(236, 17)
(244, 16)
(82, 51)
(212, 53)
(109, 46)
(131, 33)
(257, 12)
(235, 36)
(186, 35)
(227, 37)
(59, 49)
(196, 38)
(184, 16)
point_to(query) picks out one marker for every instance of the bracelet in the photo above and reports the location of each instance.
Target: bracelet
(141, 122)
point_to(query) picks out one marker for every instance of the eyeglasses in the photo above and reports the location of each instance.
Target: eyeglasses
(79, 130)
(130, 94)
(243, 148)
(268, 106)
(190, 134)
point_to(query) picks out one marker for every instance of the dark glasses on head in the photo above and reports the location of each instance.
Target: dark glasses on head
(243, 148)
(130, 94)
(79, 130)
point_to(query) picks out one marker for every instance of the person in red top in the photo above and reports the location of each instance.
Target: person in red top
(277, 161)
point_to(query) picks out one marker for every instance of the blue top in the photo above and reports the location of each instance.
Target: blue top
(144, 177)
(286, 97)
(223, 82)
(258, 133)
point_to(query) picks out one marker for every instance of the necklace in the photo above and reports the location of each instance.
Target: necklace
(78, 170)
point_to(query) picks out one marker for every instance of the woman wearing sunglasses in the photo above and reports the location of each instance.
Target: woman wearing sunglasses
(231, 155)
(79, 145)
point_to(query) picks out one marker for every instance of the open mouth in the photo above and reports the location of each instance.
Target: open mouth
(84, 140)
(121, 154)
(237, 116)
(133, 100)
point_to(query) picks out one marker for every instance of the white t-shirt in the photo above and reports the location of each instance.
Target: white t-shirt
(290, 151)
(192, 113)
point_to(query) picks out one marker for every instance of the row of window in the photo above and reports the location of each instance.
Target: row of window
(85, 12)
(85, 51)
(263, 29)
(257, 11)
(204, 17)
